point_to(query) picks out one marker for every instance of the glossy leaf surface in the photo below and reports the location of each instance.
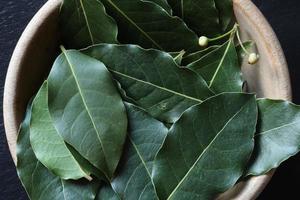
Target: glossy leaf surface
(220, 68)
(201, 16)
(162, 3)
(207, 149)
(148, 25)
(205, 17)
(85, 22)
(146, 135)
(277, 137)
(85, 106)
(40, 184)
(152, 79)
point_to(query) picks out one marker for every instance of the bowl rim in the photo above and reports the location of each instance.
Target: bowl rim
(255, 185)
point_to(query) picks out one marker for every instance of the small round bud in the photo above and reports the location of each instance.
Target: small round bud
(253, 58)
(203, 41)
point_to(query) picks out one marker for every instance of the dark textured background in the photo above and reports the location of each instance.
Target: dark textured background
(284, 16)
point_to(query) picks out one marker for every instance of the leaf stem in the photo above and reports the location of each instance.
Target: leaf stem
(241, 43)
(233, 30)
(181, 53)
(89, 178)
(62, 48)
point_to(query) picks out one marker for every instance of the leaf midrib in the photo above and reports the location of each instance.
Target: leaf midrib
(87, 22)
(143, 162)
(86, 107)
(63, 189)
(134, 24)
(220, 64)
(157, 86)
(276, 128)
(204, 151)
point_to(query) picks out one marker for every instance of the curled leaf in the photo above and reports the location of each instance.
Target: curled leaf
(84, 105)
(47, 144)
(40, 184)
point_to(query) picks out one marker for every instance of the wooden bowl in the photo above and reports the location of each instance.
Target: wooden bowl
(38, 47)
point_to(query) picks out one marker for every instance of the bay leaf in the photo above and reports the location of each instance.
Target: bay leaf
(48, 146)
(107, 193)
(39, 183)
(220, 68)
(26, 160)
(148, 25)
(85, 22)
(86, 165)
(202, 16)
(226, 14)
(50, 187)
(152, 79)
(162, 3)
(192, 57)
(207, 149)
(87, 109)
(177, 56)
(145, 137)
(277, 137)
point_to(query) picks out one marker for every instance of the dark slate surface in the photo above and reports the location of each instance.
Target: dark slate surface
(284, 16)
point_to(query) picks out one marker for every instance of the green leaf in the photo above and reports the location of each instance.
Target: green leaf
(85, 106)
(146, 135)
(148, 25)
(85, 22)
(48, 146)
(152, 79)
(162, 3)
(193, 57)
(201, 16)
(88, 167)
(177, 56)
(26, 160)
(220, 68)
(207, 149)
(226, 15)
(277, 137)
(190, 58)
(205, 17)
(50, 187)
(40, 184)
(107, 193)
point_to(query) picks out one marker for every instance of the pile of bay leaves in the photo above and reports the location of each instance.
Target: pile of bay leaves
(147, 110)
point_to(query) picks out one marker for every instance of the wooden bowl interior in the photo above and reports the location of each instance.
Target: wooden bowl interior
(38, 47)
